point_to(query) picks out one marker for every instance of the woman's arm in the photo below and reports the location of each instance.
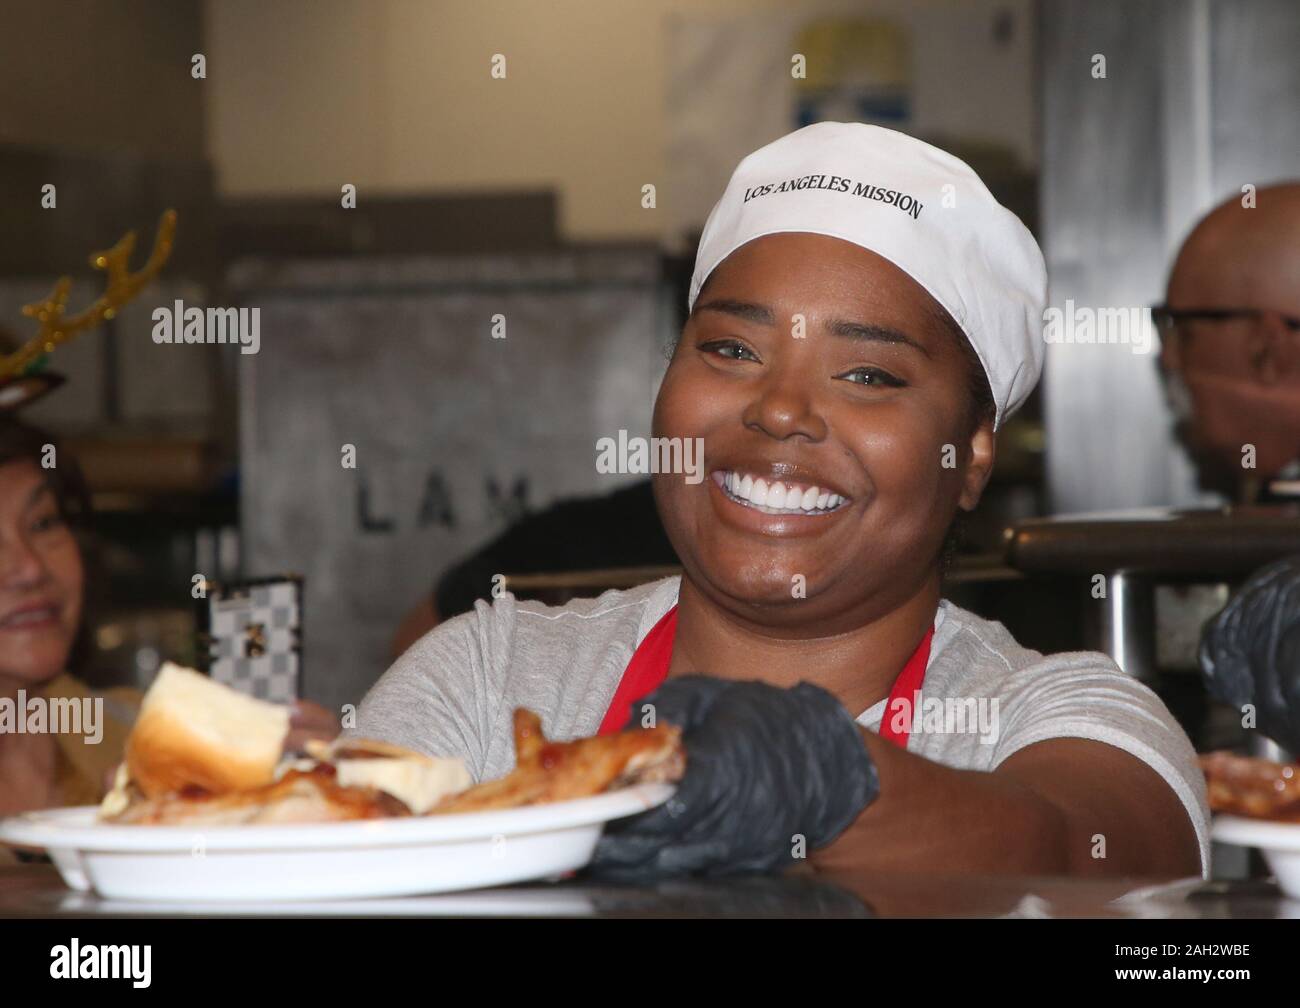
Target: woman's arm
(1049, 809)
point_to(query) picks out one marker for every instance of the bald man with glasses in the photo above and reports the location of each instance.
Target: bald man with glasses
(1230, 345)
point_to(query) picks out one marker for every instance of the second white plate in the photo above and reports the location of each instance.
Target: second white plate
(1278, 841)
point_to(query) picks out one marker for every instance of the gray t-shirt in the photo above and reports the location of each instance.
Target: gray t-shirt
(984, 696)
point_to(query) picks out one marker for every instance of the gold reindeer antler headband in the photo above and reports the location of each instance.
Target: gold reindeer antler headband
(56, 327)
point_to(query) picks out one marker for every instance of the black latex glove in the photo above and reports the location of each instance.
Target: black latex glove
(1250, 652)
(763, 765)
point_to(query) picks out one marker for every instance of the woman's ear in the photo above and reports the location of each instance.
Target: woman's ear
(983, 451)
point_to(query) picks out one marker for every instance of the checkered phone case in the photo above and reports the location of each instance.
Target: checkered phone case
(253, 633)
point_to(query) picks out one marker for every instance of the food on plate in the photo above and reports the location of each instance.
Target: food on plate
(419, 781)
(300, 796)
(1253, 787)
(202, 754)
(557, 771)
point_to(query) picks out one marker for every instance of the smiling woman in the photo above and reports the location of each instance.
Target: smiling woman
(43, 504)
(862, 406)
(846, 367)
(938, 326)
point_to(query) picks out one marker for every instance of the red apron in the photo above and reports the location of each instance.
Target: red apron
(649, 668)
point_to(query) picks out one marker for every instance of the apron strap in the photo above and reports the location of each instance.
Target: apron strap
(648, 669)
(645, 673)
(906, 688)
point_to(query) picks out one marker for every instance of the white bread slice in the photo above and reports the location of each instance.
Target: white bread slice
(419, 781)
(193, 731)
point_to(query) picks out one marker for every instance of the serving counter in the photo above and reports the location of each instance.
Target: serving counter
(36, 891)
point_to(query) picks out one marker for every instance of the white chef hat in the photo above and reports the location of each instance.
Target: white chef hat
(917, 206)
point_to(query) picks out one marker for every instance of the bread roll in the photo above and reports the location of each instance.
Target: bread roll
(195, 732)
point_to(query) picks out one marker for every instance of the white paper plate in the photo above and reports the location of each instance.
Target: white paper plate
(1279, 842)
(368, 858)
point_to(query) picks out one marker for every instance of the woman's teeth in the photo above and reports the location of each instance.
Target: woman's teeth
(29, 617)
(777, 497)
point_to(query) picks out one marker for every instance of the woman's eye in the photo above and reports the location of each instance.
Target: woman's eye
(47, 522)
(730, 349)
(873, 377)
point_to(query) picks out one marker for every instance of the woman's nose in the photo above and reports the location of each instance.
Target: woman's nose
(784, 407)
(21, 564)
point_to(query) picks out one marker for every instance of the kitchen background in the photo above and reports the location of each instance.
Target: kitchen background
(525, 196)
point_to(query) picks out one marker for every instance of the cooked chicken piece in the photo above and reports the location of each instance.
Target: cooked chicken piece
(1247, 786)
(311, 791)
(559, 771)
(300, 796)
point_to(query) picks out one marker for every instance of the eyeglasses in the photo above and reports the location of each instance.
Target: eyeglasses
(1168, 319)
(1267, 356)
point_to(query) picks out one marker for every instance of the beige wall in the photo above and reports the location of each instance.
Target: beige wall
(395, 96)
